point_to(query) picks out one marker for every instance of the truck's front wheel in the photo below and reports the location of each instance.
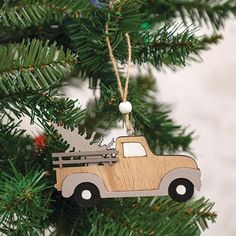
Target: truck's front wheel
(86, 194)
(181, 190)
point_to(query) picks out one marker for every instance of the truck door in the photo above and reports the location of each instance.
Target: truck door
(134, 172)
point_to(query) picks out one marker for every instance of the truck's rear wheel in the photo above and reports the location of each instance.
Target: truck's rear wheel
(181, 190)
(86, 194)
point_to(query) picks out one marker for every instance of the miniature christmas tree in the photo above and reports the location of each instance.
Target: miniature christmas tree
(43, 44)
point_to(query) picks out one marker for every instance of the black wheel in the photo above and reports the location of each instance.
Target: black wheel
(86, 195)
(181, 190)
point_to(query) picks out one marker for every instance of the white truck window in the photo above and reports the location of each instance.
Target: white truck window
(133, 150)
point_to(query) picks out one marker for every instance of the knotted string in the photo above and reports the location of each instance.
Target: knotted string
(123, 91)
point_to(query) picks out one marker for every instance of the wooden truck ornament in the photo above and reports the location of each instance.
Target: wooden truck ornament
(129, 170)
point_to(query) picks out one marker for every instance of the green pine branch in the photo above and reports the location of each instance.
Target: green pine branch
(207, 41)
(31, 66)
(129, 217)
(44, 107)
(31, 13)
(165, 217)
(195, 11)
(167, 45)
(171, 47)
(23, 202)
(88, 35)
(15, 146)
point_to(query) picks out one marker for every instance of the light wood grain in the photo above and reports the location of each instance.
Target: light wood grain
(131, 173)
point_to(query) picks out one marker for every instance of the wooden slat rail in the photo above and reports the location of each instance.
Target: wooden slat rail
(89, 153)
(96, 157)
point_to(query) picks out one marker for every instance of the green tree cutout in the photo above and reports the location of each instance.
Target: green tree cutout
(43, 44)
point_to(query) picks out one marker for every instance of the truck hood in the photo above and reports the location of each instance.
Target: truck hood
(178, 161)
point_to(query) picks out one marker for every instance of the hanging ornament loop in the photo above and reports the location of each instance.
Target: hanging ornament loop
(126, 106)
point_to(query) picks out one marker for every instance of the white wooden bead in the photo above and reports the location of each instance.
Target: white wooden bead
(125, 107)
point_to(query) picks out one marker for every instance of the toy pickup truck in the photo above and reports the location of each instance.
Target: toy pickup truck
(129, 170)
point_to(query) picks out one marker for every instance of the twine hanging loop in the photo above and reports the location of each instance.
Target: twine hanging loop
(123, 91)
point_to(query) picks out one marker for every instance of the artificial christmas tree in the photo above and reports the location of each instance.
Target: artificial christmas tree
(46, 43)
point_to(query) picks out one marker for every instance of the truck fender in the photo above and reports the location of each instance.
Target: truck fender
(73, 180)
(193, 175)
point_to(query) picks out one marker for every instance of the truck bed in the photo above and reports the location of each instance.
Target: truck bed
(66, 159)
